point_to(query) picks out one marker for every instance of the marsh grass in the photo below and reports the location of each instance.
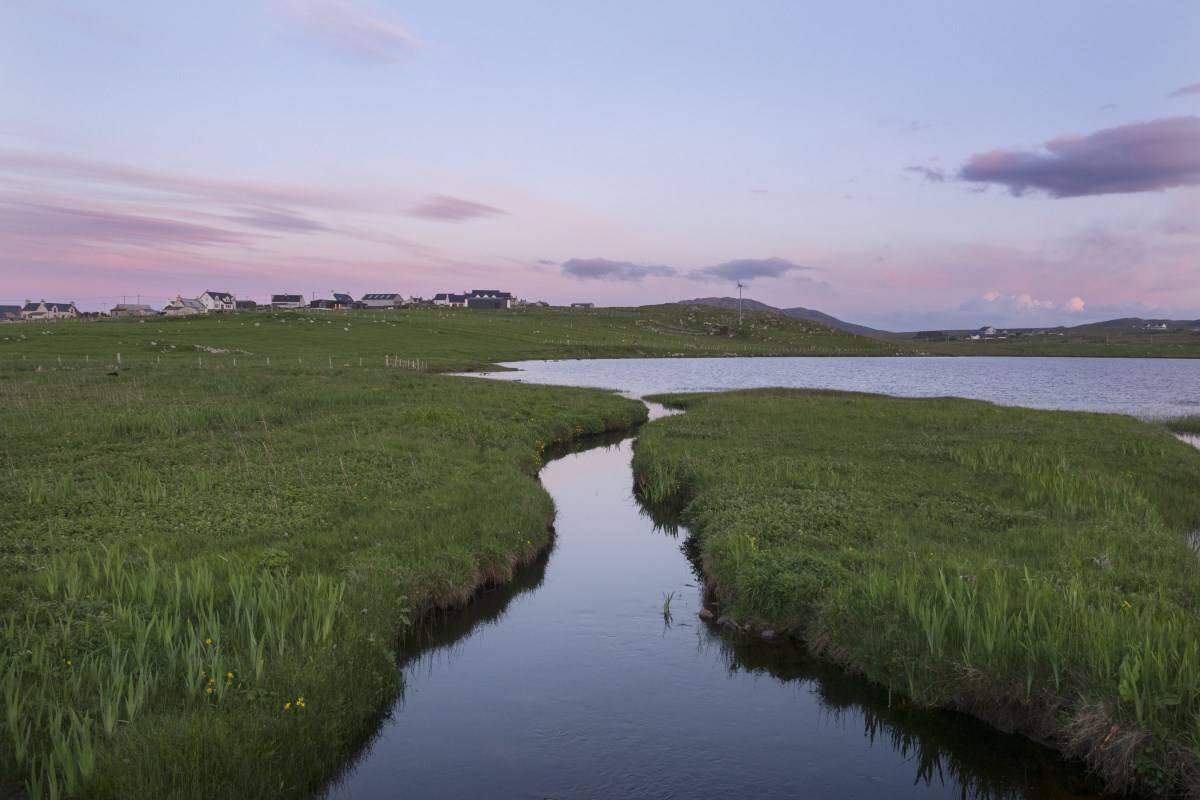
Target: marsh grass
(207, 573)
(1031, 567)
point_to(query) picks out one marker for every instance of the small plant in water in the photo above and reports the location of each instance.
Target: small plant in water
(666, 606)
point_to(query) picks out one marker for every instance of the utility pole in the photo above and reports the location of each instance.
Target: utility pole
(740, 286)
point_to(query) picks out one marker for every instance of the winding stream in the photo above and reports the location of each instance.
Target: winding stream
(569, 682)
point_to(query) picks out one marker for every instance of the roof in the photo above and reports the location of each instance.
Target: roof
(224, 297)
(131, 307)
(49, 306)
(187, 302)
(246, 303)
(10, 309)
(287, 298)
(453, 298)
(490, 293)
(342, 298)
(379, 296)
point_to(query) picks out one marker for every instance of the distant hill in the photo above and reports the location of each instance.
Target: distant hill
(1137, 324)
(798, 312)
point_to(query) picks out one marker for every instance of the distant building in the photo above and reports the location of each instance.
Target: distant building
(345, 301)
(583, 305)
(42, 311)
(449, 299)
(218, 301)
(987, 330)
(382, 300)
(132, 310)
(246, 305)
(505, 299)
(287, 301)
(10, 313)
(184, 307)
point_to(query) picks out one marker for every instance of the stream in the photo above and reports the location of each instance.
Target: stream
(571, 681)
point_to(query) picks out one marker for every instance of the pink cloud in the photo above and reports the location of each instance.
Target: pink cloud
(444, 208)
(1142, 157)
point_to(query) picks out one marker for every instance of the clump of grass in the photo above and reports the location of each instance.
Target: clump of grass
(1030, 566)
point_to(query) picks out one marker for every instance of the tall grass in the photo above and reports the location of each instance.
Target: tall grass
(1033, 567)
(193, 634)
(296, 517)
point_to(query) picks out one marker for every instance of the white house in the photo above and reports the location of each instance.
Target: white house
(382, 300)
(42, 311)
(218, 301)
(184, 307)
(450, 299)
(287, 301)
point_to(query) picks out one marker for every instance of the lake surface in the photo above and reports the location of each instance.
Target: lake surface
(569, 683)
(1145, 387)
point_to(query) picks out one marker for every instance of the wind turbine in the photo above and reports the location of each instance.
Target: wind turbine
(740, 286)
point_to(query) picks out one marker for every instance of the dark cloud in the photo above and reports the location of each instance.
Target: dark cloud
(352, 30)
(601, 269)
(928, 173)
(1184, 91)
(444, 208)
(58, 222)
(747, 269)
(545, 262)
(278, 220)
(1142, 157)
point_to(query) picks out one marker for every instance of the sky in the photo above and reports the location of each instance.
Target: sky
(905, 165)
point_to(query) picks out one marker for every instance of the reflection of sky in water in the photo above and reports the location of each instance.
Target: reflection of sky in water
(569, 684)
(1146, 387)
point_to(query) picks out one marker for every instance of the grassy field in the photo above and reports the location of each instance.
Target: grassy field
(1085, 341)
(1030, 567)
(440, 339)
(204, 571)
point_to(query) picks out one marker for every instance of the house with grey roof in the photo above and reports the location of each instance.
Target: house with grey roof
(382, 300)
(184, 307)
(42, 311)
(287, 301)
(132, 310)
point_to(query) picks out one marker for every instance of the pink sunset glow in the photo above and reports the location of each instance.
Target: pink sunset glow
(339, 144)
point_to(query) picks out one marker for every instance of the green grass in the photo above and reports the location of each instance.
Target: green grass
(440, 340)
(1190, 425)
(1086, 341)
(1031, 567)
(186, 553)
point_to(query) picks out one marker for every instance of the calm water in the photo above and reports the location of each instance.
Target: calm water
(568, 683)
(1146, 387)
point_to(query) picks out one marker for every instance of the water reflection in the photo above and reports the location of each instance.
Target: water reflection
(566, 683)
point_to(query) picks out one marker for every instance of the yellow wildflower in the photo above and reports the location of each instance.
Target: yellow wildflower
(287, 706)
(228, 676)
(208, 690)
(208, 642)
(1126, 604)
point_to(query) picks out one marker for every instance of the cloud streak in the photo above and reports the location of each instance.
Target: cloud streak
(747, 269)
(928, 173)
(349, 28)
(602, 269)
(742, 269)
(1141, 157)
(60, 223)
(444, 208)
(1184, 91)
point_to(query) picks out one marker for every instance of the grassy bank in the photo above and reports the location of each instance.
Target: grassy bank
(204, 571)
(440, 339)
(1030, 567)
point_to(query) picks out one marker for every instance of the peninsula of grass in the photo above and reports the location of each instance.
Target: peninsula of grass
(204, 572)
(1030, 567)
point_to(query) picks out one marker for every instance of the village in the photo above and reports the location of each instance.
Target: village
(209, 302)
